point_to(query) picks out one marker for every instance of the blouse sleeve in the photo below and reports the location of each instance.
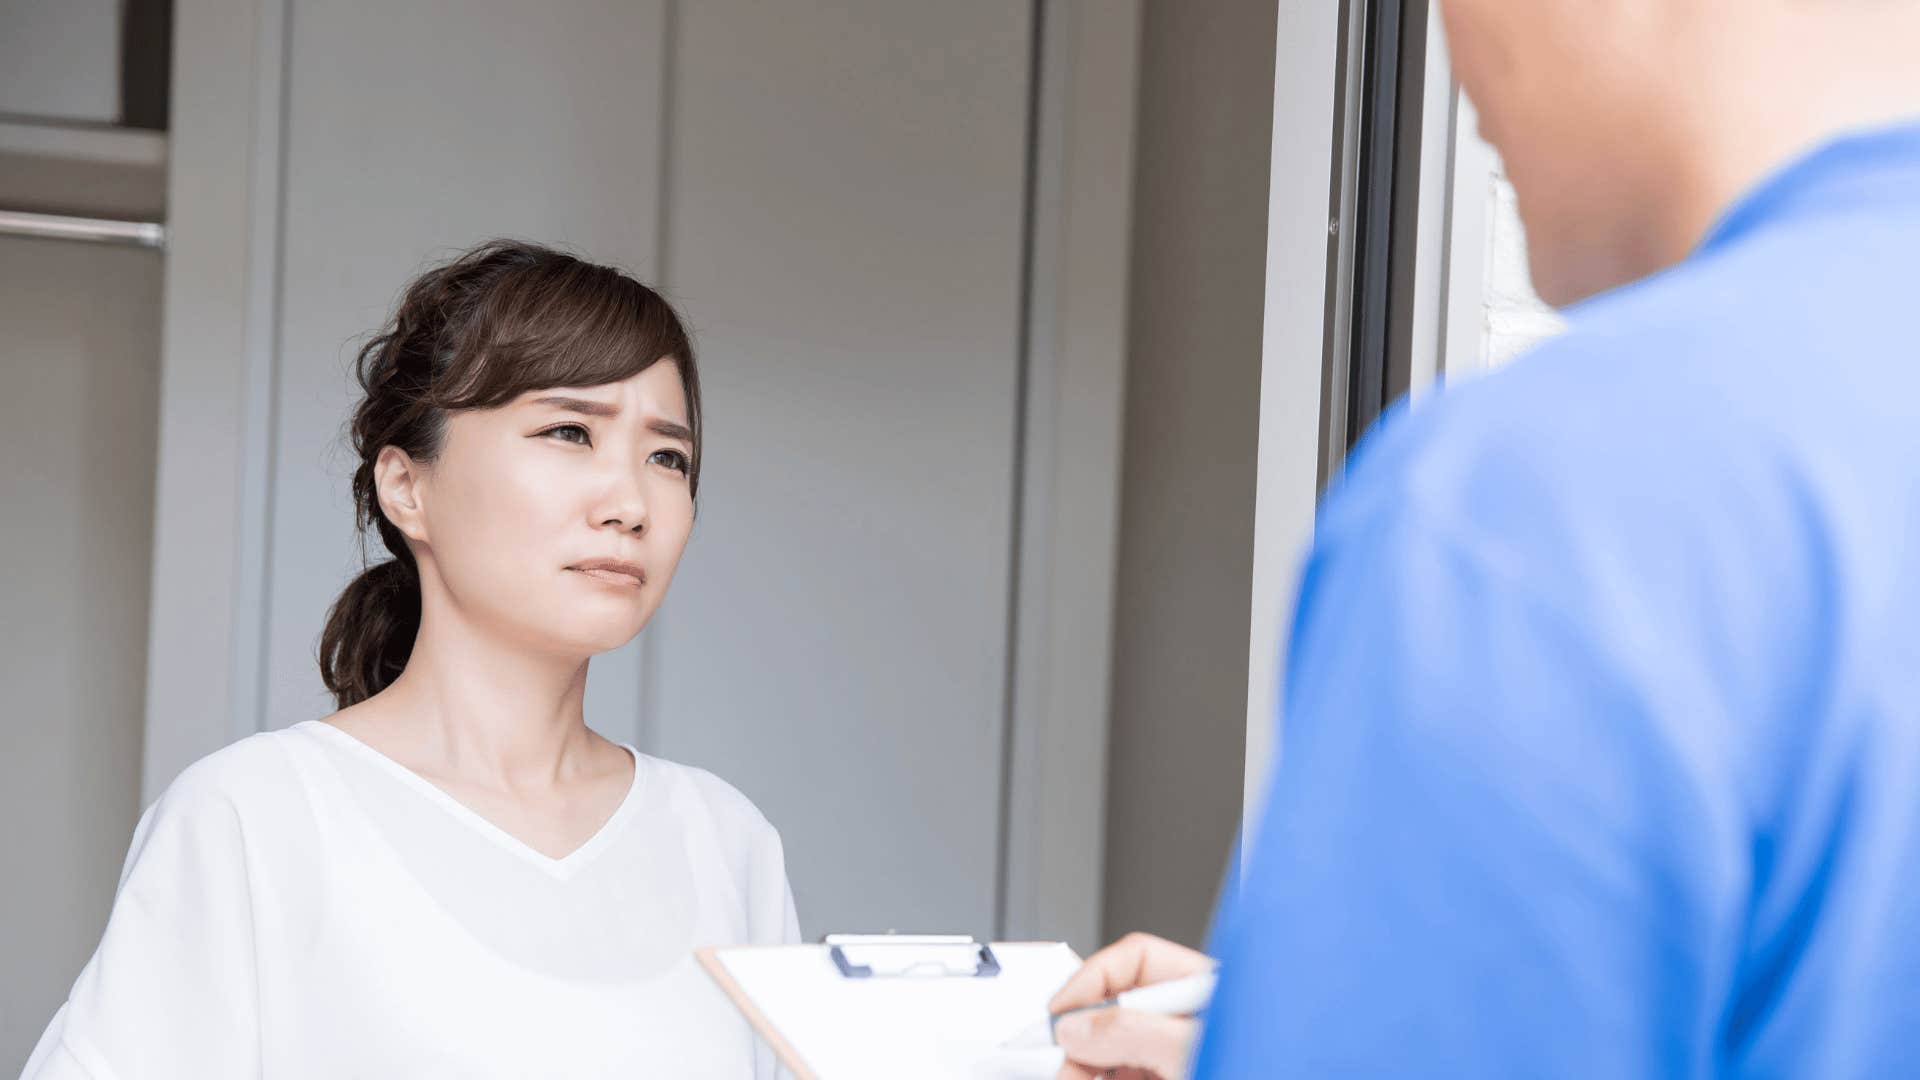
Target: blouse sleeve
(771, 920)
(170, 991)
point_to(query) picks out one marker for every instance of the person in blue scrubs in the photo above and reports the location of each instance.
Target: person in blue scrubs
(1601, 752)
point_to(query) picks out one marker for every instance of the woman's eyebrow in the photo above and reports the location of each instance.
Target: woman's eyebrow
(579, 405)
(671, 430)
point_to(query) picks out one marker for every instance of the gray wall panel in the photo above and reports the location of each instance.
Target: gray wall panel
(80, 362)
(60, 59)
(845, 198)
(1192, 435)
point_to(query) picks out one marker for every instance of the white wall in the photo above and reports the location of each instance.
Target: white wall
(79, 361)
(1516, 318)
(1492, 312)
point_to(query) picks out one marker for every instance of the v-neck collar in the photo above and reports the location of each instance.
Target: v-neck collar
(563, 867)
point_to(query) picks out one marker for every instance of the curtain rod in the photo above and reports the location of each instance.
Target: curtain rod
(150, 234)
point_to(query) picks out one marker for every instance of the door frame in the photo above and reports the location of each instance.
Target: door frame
(1304, 241)
(219, 325)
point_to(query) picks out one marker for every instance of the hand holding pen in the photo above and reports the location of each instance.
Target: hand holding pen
(1142, 1040)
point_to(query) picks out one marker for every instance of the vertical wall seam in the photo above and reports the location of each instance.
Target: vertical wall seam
(1023, 350)
(647, 697)
(259, 396)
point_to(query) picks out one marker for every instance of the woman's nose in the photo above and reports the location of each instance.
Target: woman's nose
(624, 505)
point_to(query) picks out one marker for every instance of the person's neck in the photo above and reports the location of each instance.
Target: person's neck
(1825, 72)
(488, 710)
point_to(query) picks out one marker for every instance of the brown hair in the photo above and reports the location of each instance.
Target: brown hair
(476, 333)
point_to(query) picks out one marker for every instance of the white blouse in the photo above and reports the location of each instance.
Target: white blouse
(300, 905)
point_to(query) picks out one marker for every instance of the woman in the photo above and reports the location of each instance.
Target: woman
(452, 875)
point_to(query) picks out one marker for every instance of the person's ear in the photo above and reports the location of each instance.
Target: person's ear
(400, 483)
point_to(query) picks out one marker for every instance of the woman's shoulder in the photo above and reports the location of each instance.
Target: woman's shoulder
(741, 836)
(701, 790)
(253, 775)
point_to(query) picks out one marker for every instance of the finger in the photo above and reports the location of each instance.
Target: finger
(1134, 960)
(1115, 1038)
(1073, 1071)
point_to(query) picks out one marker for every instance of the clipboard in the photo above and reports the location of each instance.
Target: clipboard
(866, 1007)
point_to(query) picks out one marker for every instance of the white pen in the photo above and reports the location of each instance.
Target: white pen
(1175, 997)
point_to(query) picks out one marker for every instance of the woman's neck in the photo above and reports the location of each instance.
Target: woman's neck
(472, 706)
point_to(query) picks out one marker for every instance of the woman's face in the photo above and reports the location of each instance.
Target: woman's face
(557, 520)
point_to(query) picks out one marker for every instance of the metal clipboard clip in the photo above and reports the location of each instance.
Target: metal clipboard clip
(911, 956)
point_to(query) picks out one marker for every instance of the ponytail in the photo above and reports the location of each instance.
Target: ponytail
(370, 631)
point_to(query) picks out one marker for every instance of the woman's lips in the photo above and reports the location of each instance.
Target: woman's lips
(612, 572)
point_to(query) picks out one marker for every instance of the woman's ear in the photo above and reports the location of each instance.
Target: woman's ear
(399, 483)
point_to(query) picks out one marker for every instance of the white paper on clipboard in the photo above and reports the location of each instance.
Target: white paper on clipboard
(826, 1026)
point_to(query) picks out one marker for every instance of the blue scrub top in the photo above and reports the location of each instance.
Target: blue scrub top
(1602, 741)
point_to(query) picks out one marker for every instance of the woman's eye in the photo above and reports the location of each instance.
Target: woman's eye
(672, 459)
(573, 433)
